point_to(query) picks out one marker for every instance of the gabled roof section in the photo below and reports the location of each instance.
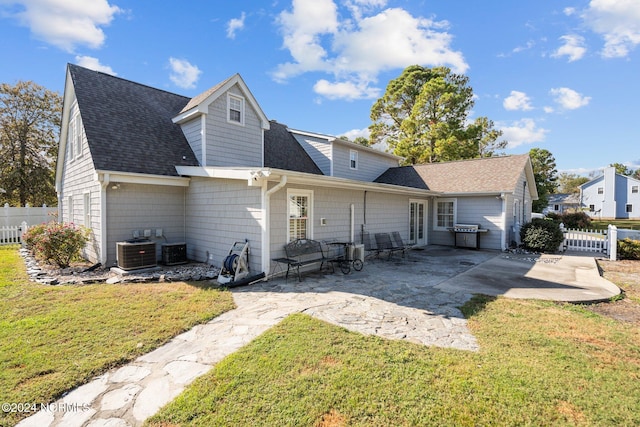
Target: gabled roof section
(282, 151)
(563, 199)
(128, 125)
(481, 176)
(200, 103)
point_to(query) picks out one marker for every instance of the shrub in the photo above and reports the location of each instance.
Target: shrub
(542, 235)
(56, 242)
(576, 220)
(629, 249)
(32, 235)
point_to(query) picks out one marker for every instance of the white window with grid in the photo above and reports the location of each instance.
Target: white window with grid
(236, 109)
(299, 212)
(353, 159)
(445, 214)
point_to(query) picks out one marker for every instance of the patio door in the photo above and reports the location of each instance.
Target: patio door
(417, 219)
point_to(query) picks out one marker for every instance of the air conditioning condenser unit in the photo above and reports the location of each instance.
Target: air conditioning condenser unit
(134, 254)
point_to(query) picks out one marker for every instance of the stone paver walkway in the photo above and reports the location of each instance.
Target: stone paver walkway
(395, 299)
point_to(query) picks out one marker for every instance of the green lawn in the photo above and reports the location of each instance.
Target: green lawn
(620, 223)
(54, 338)
(540, 364)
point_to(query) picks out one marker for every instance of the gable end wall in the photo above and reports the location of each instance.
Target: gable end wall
(230, 144)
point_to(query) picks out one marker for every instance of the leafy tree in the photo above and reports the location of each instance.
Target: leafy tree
(622, 169)
(423, 116)
(570, 182)
(362, 141)
(29, 124)
(544, 171)
(486, 137)
(359, 140)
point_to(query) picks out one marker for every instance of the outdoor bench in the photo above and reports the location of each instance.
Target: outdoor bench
(301, 253)
(384, 243)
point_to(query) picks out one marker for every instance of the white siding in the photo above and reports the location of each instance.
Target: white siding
(319, 149)
(219, 213)
(384, 213)
(370, 164)
(78, 178)
(192, 131)
(141, 207)
(231, 144)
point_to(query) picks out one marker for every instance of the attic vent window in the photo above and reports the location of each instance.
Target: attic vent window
(236, 109)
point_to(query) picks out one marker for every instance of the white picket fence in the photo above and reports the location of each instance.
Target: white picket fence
(583, 240)
(12, 235)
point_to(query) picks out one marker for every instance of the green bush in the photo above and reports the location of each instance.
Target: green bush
(32, 235)
(56, 242)
(629, 249)
(576, 220)
(571, 219)
(541, 235)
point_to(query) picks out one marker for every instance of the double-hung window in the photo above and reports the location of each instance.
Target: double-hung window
(445, 214)
(235, 108)
(299, 212)
(353, 159)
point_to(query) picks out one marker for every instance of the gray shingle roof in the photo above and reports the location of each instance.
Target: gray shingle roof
(488, 175)
(282, 151)
(128, 125)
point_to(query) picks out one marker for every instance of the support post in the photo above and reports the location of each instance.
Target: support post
(612, 242)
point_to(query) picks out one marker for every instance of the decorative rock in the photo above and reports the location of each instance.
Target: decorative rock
(80, 275)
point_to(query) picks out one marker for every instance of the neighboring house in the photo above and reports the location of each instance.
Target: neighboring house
(611, 196)
(561, 203)
(212, 170)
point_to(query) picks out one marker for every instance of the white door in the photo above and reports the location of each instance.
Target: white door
(417, 219)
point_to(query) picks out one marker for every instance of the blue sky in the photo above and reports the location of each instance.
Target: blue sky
(558, 75)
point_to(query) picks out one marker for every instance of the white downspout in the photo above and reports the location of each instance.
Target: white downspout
(266, 221)
(103, 218)
(352, 217)
(503, 236)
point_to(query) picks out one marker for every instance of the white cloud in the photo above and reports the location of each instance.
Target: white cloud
(345, 90)
(356, 44)
(618, 21)
(94, 64)
(183, 73)
(235, 25)
(522, 132)
(66, 24)
(573, 47)
(356, 133)
(569, 11)
(569, 99)
(517, 101)
(530, 44)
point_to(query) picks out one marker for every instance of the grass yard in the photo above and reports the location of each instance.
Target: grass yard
(540, 363)
(628, 224)
(54, 338)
